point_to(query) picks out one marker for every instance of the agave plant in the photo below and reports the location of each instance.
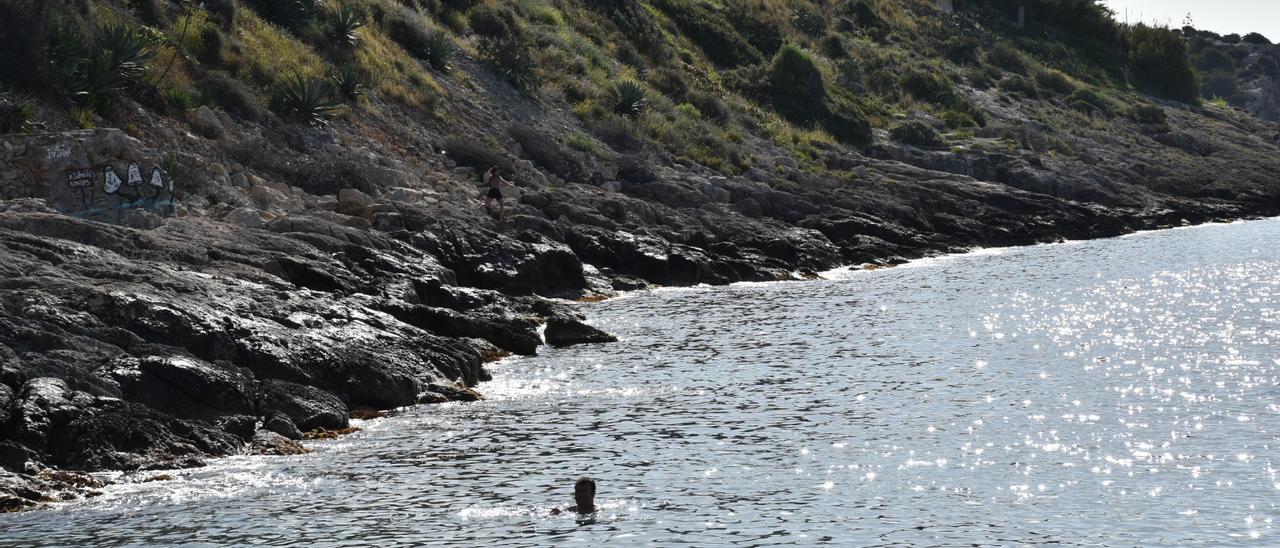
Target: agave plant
(629, 98)
(118, 59)
(308, 100)
(346, 19)
(349, 80)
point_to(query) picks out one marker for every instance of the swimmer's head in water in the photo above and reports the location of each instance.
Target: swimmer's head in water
(584, 494)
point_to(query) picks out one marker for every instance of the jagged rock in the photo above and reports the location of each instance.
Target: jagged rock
(455, 393)
(246, 217)
(280, 423)
(309, 408)
(569, 331)
(208, 124)
(353, 202)
(266, 442)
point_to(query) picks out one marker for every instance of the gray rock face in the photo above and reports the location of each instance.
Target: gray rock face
(208, 124)
(307, 407)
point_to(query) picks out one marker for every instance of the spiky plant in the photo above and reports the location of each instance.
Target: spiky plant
(349, 80)
(118, 59)
(307, 100)
(16, 115)
(346, 19)
(629, 98)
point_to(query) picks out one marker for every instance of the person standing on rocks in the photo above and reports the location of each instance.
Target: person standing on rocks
(494, 181)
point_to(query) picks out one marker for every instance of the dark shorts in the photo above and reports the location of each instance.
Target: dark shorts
(494, 193)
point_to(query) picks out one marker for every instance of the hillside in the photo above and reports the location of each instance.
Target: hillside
(225, 225)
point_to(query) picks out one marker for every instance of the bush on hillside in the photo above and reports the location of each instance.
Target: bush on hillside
(1255, 38)
(1232, 38)
(344, 21)
(349, 80)
(1088, 100)
(796, 88)
(16, 115)
(152, 12)
(761, 34)
(412, 34)
(232, 95)
(1222, 84)
(961, 50)
(1158, 61)
(494, 22)
(1056, 81)
(223, 11)
(915, 132)
(1019, 85)
(1149, 114)
(511, 58)
(290, 14)
(809, 22)
(1211, 59)
(1008, 57)
(928, 86)
(712, 31)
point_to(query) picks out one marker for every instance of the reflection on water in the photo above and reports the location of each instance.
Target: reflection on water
(1114, 392)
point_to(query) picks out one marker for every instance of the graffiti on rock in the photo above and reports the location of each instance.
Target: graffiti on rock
(153, 192)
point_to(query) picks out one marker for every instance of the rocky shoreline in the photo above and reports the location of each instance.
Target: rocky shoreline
(135, 349)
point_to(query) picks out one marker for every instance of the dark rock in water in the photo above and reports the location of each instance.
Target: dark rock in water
(281, 424)
(14, 456)
(185, 386)
(431, 397)
(270, 443)
(112, 434)
(563, 331)
(309, 408)
(240, 426)
(454, 393)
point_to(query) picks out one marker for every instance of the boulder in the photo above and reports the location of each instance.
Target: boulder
(563, 332)
(266, 442)
(353, 202)
(208, 124)
(308, 407)
(280, 423)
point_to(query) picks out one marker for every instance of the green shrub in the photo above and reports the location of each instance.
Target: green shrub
(1088, 100)
(833, 47)
(1158, 62)
(152, 12)
(511, 58)
(809, 22)
(434, 46)
(955, 119)
(1232, 38)
(345, 20)
(178, 99)
(712, 31)
(291, 14)
(915, 132)
(796, 88)
(1221, 84)
(1255, 38)
(928, 86)
(492, 21)
(581, 141)
(688, 110)
(1149, 114)
(349, 80)
(224, 11)
(1008, 57)
(213, 46)
(307, 100)
(16, 115)
(1055, 80)
(1019, 85)
(1211, 58)
(231, 94)
(961, 50)
(984, 76)
(628, 98)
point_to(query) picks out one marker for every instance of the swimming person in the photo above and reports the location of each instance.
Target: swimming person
(495, 181)
(584, 494)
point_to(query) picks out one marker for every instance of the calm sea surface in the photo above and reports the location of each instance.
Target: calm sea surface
(1114, 392)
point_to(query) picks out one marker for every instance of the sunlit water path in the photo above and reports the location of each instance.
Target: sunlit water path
(1112, 392)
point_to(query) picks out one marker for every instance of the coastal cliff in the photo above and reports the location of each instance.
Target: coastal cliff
(248, 223)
